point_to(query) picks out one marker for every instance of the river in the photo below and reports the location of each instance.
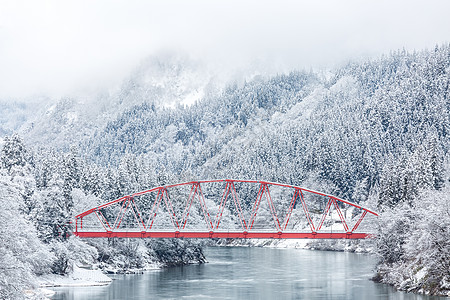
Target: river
(252, 273)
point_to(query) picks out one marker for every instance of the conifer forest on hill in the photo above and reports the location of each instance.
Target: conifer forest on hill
(375, 132)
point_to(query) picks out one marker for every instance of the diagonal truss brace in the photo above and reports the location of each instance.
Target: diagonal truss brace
(154, 210)
(196, 190)
(170, 209)
(128, 202)
(272, 208)
(230, 189)
(255, 208)
(305, 209)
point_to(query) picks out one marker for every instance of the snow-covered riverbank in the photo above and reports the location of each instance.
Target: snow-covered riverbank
(79, 277)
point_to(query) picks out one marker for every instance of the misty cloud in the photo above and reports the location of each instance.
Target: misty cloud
(59, 47)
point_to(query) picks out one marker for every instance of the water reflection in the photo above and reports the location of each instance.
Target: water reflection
(252, 273)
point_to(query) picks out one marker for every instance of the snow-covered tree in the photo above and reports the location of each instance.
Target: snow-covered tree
(13, 153)
(413, 244)
(23, 255)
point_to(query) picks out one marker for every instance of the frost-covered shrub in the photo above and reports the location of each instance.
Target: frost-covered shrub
(70, 252)
(414, 244)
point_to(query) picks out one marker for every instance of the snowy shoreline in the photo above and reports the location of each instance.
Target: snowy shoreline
(78, 278)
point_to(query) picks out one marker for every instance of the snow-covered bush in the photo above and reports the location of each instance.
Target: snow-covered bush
(70, 252)
(414, 244)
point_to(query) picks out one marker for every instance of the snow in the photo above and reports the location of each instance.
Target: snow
(193, 97)
(72, 117)
(79, 277)
(346, 83)
(302, 110)
(291, 243)
(39, 293)
(421, 274)
(51, 109)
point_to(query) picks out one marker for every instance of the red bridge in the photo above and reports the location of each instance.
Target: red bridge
(225, 209)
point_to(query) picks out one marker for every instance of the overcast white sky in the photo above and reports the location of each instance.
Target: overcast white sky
(59, 47)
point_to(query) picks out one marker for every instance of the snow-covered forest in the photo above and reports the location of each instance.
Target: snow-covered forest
(375, 132)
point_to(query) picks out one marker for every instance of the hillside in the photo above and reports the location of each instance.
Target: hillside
(373, 132)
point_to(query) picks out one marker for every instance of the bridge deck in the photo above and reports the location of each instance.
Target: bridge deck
(232, 235)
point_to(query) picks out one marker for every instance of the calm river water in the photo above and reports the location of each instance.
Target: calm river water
(252, 273)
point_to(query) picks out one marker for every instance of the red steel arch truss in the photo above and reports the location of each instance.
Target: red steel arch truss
(242, 209)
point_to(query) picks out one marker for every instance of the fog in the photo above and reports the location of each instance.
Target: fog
(61, 47)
